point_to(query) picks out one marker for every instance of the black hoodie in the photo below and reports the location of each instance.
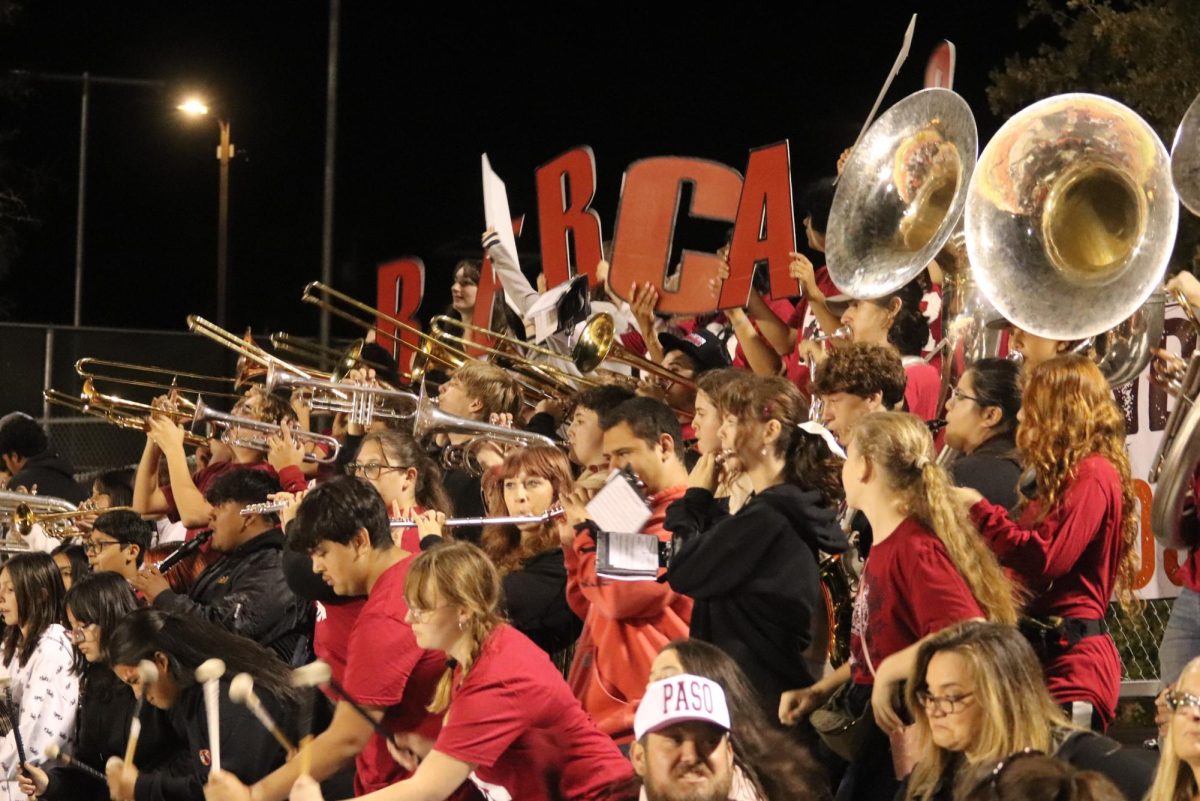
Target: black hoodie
(52, 475)
(755, 578)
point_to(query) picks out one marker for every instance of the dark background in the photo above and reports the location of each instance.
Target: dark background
(422, 94)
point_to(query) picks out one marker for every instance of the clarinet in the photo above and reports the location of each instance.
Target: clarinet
(185, 550)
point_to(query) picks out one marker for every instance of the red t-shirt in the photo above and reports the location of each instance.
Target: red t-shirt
(516, 721)
(909, 589)
(331, 635)
(922, 388)
(1069, 560)
(386, 668)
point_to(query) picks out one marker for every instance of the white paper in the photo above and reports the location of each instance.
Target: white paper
(631, 557)
(495, 210)
(544, 312)
(617, 506)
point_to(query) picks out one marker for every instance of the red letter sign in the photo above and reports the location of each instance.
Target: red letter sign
(565, 189)
(646, 226)
(400, 284)
(766, 227)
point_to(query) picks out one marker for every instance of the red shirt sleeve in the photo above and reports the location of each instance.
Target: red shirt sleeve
(940, 596)
(1050, 548)
(485, 718)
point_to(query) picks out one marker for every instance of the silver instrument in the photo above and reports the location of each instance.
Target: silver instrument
(1176, 461)
(1071, 216)
(816, 406)
(362, 404)
(17, 509)
(272, 507)
(1185, 158)
(901, 193)
(235, 433)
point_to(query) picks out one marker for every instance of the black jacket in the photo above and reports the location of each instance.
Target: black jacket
(992, 469)
(101, 730)
(536, 599)
(755, 578)
(247, 749)
(52, 475)
(246, 593)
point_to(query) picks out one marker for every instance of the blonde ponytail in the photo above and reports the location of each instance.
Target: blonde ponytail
(900, 445)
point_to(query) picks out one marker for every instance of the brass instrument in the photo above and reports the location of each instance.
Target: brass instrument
(361, 404)
(430, 419)
(85, 368)
(316, 352)
(129, 419)
(598, 343)
(1176, 461)
(24, 518)
(235, 429)
(1185, 158)
(816, 406)
(838, 586)
(323, 296)
(17, 506)
(246, 350)
(901, 193)
(1071, 216)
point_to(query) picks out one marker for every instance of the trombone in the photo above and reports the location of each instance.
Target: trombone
(361, 404)
(598, 343)
(245, 349)
(130, 422)
(231, 422)
(316, 352)
(84, 368)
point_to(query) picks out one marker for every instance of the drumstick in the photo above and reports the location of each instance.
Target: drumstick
(54, 752)
(209, 674)
(310, 676)
(241, 691)
(147, 676)
(375, 724)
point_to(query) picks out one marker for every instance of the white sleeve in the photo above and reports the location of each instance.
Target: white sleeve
(49, 702)
(516, 285)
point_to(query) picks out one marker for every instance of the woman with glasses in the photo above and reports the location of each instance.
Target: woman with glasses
(928, 569)
(976, 696)
(981, 423)
(177, 645)
(40, 662)
(94, 605)
(1071, 543)
(1178, 774)
(511, 725)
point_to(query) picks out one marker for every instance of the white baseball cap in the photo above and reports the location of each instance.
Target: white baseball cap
(679, 699)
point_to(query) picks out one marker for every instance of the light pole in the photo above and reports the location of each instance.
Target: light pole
(196, 108)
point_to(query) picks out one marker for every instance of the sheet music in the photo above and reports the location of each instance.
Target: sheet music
(495, 209)
(624, 556)
(618, 506)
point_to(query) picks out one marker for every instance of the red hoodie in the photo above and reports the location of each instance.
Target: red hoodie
(625, 625)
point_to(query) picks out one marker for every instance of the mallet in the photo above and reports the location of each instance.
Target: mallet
(209, 674)
(310, 676)
(54, 752)
(241, 691)
(147, 677)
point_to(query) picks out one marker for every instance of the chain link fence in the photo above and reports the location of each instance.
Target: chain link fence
(92, 446)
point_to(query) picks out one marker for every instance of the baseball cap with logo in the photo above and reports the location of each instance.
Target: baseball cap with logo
(703, 346)
(680, 699)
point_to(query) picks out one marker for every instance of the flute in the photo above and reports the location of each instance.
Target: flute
(402, 522)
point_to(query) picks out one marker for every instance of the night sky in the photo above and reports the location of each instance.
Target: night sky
(422, 94)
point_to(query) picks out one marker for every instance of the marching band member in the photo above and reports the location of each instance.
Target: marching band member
(754, 575)
(244, 591)
(72, 563)
(1072, 544)
(406, 477)
(585, 438)
(981, 423)
(177, 645)
(624, 623)
(1178, 774)
(529, 557)
(733, 485)
(118, 542)
(343, 526)
(856, 380)
(511, 726)
(39, 661)
(106, 707)
(928, 569)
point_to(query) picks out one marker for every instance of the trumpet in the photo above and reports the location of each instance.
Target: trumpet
(360, 403)
(24, 519)
(430, 419)
(230, 423)
(131, 422)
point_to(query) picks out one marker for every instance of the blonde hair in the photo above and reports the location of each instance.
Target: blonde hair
(899, 445)
(498, 391)
(1018, 711)
(1067, 414)
(1173, 780)
(459, 574)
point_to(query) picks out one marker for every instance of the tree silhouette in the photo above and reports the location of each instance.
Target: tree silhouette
(1145, 54)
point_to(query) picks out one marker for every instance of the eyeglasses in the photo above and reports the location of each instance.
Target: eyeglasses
(422, 615)
(959, 395)
(1179, 701)
(942, 704)
(370, 470)
(80, 635)
(93, 548)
